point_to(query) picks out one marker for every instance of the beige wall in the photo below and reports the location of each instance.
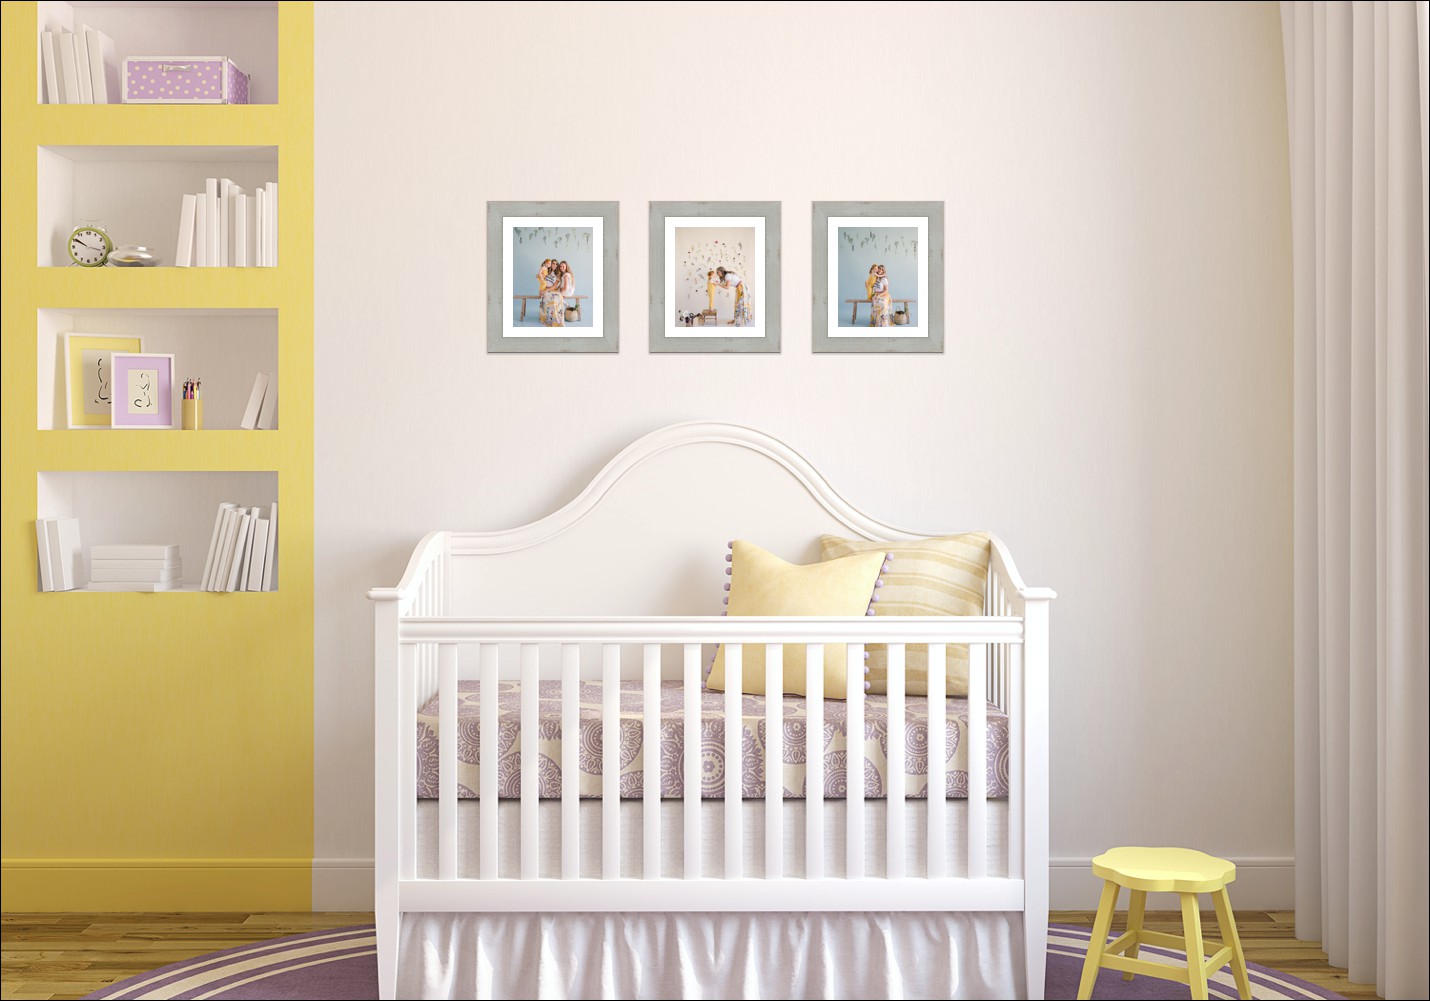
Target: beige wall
(1114, 399)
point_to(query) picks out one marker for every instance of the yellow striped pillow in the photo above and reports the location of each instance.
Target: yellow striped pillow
(924, 577)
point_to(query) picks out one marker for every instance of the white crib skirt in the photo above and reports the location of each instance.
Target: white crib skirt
(766, 955)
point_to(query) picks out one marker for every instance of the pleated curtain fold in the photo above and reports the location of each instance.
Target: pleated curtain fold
(1356, 103)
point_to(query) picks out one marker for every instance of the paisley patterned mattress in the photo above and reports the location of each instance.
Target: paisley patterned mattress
(712, 745)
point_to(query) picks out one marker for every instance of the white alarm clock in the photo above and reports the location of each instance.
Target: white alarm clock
(90, 245)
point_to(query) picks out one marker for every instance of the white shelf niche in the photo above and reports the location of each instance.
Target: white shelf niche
(152, 508)
(226, 348)
(247, 33)
(137, 192)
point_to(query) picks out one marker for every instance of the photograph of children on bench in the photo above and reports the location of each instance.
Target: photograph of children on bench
(553, 276)
(714, 276)
(879, 266)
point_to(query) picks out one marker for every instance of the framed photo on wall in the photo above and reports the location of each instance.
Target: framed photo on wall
(715, 276)
(89, 382)
(878, 276)
(552, 276)
(143, 391)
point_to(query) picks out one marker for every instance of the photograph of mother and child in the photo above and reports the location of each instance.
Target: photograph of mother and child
(878, 276)
(551, 276)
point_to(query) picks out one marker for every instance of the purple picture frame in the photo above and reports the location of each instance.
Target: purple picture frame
(143, 393)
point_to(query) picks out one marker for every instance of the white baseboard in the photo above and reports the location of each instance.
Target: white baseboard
(345, 884)
(1262, 884)
(342, 884)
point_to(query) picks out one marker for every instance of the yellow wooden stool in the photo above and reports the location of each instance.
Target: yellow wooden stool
(1164, 870)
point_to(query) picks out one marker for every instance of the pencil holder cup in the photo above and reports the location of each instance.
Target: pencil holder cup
(193, 415)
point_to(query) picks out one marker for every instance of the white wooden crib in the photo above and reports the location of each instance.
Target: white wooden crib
(625, 581)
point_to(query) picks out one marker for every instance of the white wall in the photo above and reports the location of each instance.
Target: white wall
(1114, 398)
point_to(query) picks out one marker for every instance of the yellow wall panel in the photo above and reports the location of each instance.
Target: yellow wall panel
(157, 749)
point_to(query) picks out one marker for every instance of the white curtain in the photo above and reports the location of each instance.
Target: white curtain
(1356, 101)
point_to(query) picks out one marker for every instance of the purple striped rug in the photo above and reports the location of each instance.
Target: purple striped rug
(342, 963)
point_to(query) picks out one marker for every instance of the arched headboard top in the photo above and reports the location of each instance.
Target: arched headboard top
(647, 534)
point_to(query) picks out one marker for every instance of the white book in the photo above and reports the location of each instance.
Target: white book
(184, 253)
(240, 230)
(66, 557)
(49, 59)
(156, 551)
(201, 231)
(255, 402)
(260, 554)
(103, 66)
(211, 203)
(133, 564)
(130, 585)
(272, 188)
(81, 66)
(138, 576)
(245, 556)
(223, 556)
(213, 545)
(240, 541)
(271, 557)
(42, 545)
(64, 45)
(260, 218)
(225, 221)
(268, 413)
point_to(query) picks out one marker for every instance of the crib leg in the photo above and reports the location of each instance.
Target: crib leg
(1035, 950)
(389, 921)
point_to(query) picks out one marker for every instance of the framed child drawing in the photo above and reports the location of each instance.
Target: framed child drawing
(552, 276)
(878, 276)
(715, 276)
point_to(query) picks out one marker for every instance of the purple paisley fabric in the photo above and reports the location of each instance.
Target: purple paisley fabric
(712, 745)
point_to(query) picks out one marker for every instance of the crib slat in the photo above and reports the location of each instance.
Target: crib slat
(814, 761)
(894, 786)
(530, 819)
(447, 762)
(650, 752)
(938, 758)
(570, 761)
(734, 753)
(854, 762)
(487, 659)
(977, 762)
(774, 761)
(610, 761)
(407, 703)
(1015, 761)
(691, 793)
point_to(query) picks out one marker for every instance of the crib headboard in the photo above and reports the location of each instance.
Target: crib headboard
(648, 535)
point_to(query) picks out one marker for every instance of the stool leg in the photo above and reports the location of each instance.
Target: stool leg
(1098, 943)
(1226, 920)
(1135, 910)
(1196, 955)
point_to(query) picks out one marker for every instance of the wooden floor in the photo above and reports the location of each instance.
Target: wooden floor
(71, 955)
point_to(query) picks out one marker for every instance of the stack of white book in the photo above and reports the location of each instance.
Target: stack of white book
(80, 67)
(224, 226)
(243, 550)
(135, 568)
(61, 566)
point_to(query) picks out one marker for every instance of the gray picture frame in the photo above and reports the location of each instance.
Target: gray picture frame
(933, 304)
(609, 341)
(770, 287)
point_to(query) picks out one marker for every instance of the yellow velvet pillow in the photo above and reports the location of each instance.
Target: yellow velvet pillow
(763, 584)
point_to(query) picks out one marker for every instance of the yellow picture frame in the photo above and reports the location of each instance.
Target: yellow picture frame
(80, 413)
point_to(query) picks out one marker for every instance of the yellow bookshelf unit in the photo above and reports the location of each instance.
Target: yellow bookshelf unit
(157, 748)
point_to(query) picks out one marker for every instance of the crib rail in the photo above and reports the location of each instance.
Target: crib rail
(421, 638)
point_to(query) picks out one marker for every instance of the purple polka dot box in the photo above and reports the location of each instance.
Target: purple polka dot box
(184, 80)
